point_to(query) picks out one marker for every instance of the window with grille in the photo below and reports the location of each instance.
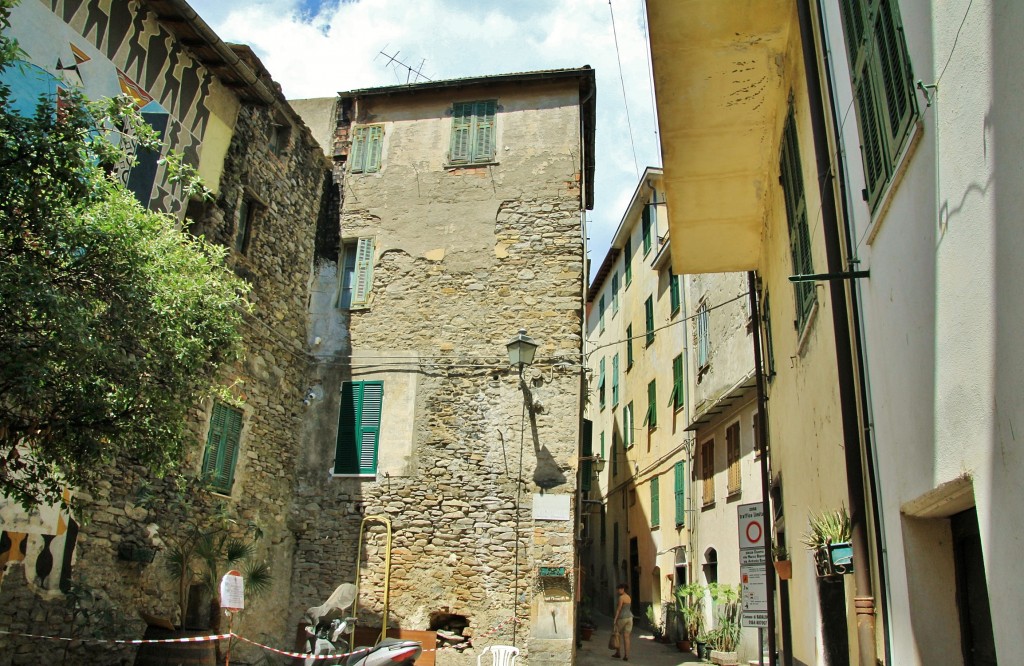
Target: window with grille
(732, 445)
(883, 85)
(473, 132)
(796, 214)
(367, 144)
(359, 427)
(707, 468)
(221, 452)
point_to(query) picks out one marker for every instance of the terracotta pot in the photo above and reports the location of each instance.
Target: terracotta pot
(684, 646)
(586, 633)
(784, 568)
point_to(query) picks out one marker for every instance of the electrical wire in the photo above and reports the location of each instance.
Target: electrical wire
(622, 82)
(650, 77)
(955, 40)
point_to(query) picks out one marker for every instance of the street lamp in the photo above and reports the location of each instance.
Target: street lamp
(597, 460)
(521, 350)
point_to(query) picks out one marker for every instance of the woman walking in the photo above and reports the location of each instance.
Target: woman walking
(623, 621)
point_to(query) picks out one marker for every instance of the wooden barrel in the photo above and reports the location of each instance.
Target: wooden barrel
(175, 654)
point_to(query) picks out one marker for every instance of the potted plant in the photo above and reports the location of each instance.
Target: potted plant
(828, 538)
(783, 565)
(702, 645)
(726, 636)
(587, 625)
(690, 607)
(656, 629)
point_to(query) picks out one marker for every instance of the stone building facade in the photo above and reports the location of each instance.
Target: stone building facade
(461, 222)
(268, 174)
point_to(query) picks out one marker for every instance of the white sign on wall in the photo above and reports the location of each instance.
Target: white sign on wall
(750, 518)
(232, 591)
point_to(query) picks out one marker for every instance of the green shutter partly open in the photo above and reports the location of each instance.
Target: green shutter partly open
(221, 452)
(359, 424)
(363, 279)
(677, 382)
(680, 493)
(374, 146)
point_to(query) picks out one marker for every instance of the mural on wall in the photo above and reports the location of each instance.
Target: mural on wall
(42, 541)
(108, 48)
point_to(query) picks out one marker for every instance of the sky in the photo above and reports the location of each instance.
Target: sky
(317, 48)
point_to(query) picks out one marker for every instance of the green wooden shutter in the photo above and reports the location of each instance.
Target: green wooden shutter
(896, 78)
(645, 227)
(462, 128)
(680, 493)
(363, 280)
(628, 252)
(673, 292)
(600, 314)
(854, 20)
(615, 380)
(357, 156)
(614, 453)
(649, 318)
(221, 452)
(652, 405)
(374, 145)
(677, 382)
(655, 502)
(615, 292)
(600, 383)
(627, 426)
(629, 346)
(587, 447)
(796, 213)
(359, 427)
(483, 131)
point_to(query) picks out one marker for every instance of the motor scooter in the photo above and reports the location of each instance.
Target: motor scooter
(336, 637)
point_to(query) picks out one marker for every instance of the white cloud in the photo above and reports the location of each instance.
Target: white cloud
(339, 49)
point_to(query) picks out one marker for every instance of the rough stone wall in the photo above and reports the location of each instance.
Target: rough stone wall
(271, 378)
(464, 259)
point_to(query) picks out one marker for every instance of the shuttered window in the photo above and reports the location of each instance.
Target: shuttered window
(677, 382)
(367, 143)
(359, 427)
(649, 319)
(222, 447)
(600, 314)
(615, 293)
(356, 274)
(629, 346)
(627, 426)
(628, 258)
(600, 384)
(645, 228)
(732, 443)
(679, 472)
(883, 86)
(473, 132)
(703, 335)
(674, 299)
(792, 180)
(655, 502)
(707, 469)
(651, 419)
(615, 380)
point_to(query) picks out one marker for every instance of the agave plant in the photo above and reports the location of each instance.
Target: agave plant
(827, 528)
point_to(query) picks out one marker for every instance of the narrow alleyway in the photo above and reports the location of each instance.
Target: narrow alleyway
(645, 651)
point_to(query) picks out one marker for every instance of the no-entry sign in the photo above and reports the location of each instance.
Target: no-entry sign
(751, 522)
(752, 565)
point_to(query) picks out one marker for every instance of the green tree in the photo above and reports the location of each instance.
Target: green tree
(113, 322)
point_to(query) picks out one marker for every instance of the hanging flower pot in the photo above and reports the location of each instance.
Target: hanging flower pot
(784, 568)
(841, 556)
(829, 540)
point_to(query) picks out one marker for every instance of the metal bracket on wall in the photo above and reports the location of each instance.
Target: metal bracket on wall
(825, 277)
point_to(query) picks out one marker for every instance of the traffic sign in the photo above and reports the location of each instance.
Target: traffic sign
(751, 524)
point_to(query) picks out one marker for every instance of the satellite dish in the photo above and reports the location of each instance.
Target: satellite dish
(341, 598)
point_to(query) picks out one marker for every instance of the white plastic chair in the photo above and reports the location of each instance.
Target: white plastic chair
(502, 655)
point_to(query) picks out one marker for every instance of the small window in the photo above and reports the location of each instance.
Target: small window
(649, 320)
(473, 132)
(359, 428)
(247, 210)
(707, 468)
(356, 273)
(732, 442)
(655, 503)
(280, 136)
(367, 143)
(221, 452)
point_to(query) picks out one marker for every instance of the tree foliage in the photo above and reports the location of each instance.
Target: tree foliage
(113, 322)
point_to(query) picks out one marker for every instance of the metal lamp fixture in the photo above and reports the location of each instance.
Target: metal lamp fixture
(521, 349)
(597, 460)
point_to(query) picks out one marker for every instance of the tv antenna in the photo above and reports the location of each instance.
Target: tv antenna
(412, 74)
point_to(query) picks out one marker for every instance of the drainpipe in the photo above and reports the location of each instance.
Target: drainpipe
(862, 375)
(849, 408)
(864, 602)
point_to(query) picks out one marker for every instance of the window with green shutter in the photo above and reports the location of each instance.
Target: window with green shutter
(628, 258)
(356, 273)
(627, 426)
(615, 293)
(655, 502)
(629, 346)
(645, 227)
(221, 452)
(600, 384)
(883, 85)
(769, 345)
(614, 453)
(677, 382)
(473, 125)
(359, 427)
(651, 419)
(615, 380)
(674, 299)
(367, 143)
(600, 314)
(792, 180)
(649, 319)
(680, 493)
